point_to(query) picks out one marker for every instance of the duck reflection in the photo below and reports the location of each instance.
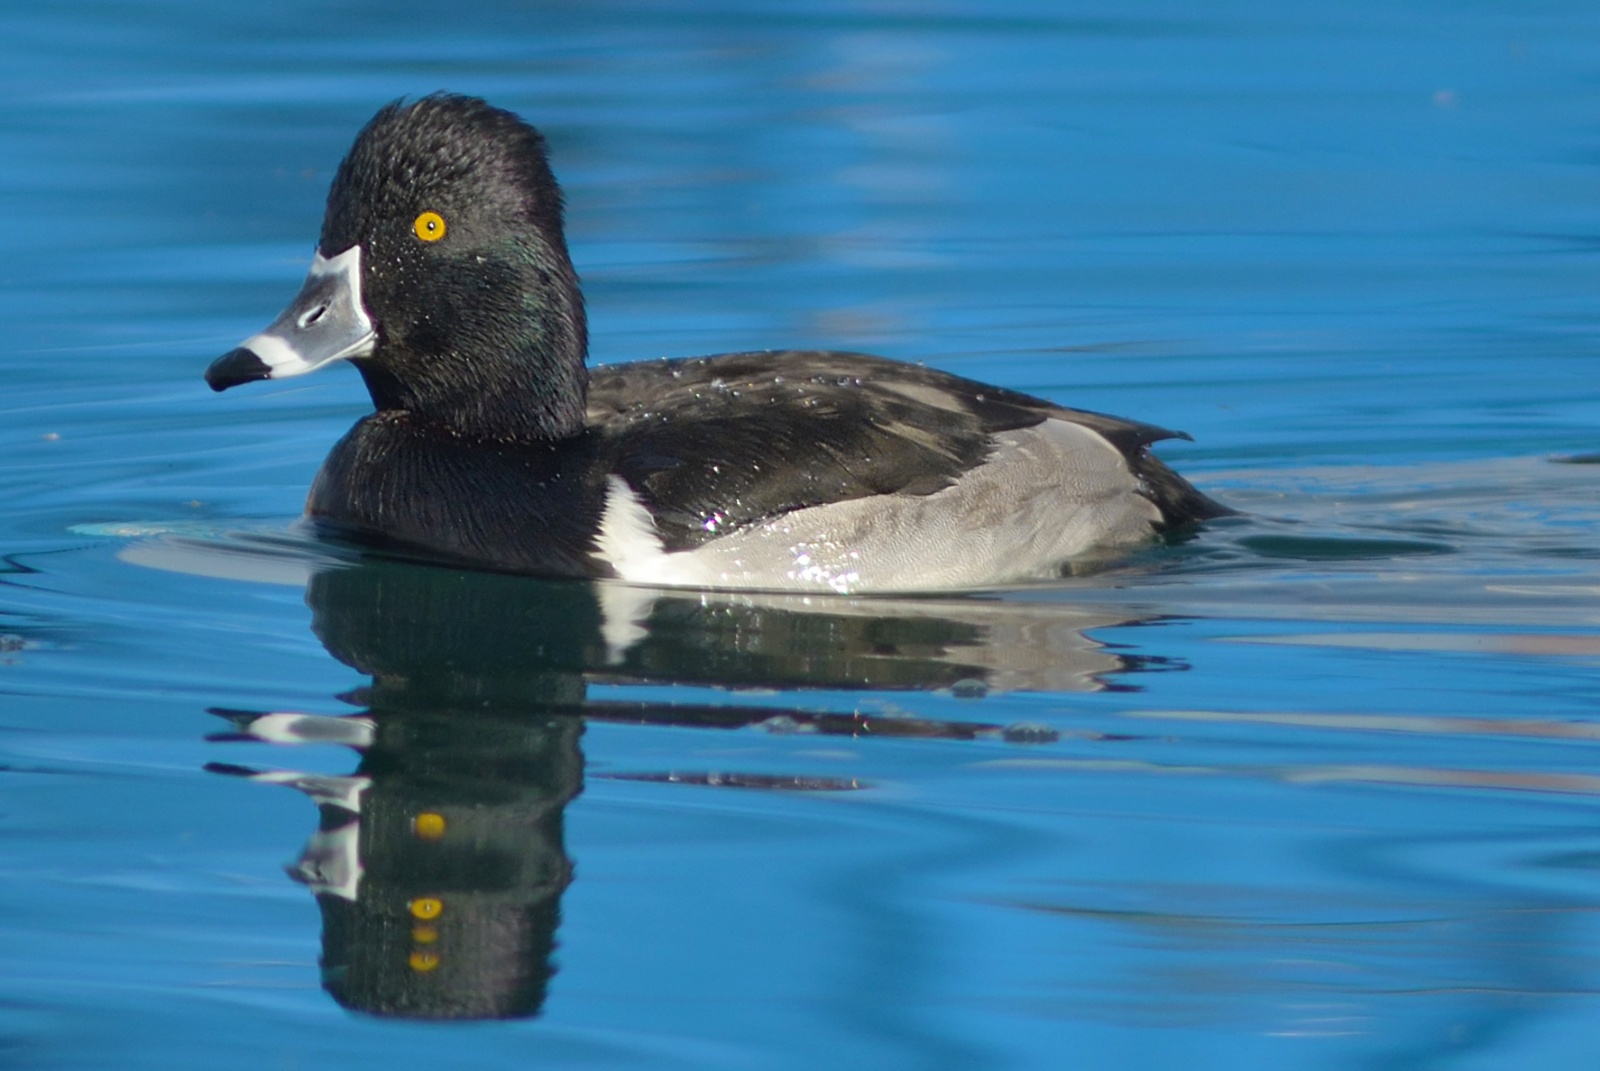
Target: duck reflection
(439, 863)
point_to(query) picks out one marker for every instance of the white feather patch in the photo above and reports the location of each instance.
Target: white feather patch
(628, 542)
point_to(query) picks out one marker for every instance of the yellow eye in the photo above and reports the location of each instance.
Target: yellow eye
(429, 226)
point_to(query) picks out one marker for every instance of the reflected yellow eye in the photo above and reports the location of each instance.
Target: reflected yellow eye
(429, 226)
(428, 825)
(422, 962)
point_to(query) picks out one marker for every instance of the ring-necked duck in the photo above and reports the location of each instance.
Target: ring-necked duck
(442, 274)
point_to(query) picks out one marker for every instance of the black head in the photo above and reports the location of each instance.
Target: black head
(460, 306)
(465, 268)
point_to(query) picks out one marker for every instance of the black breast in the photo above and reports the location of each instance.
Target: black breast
(523, 507)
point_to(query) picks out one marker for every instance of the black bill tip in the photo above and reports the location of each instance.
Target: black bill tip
(235, 367)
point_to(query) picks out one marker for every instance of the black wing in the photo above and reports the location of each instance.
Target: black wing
(715, 443)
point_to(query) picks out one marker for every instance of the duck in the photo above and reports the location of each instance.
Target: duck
(442, 274)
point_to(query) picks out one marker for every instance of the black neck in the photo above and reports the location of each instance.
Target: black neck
(529, 399)
(499, 354)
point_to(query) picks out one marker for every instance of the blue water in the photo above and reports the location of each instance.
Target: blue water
(1316, 788)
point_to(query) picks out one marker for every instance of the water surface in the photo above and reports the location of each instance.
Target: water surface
(1312, 788)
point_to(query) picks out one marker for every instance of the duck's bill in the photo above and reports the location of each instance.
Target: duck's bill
(325, 323)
